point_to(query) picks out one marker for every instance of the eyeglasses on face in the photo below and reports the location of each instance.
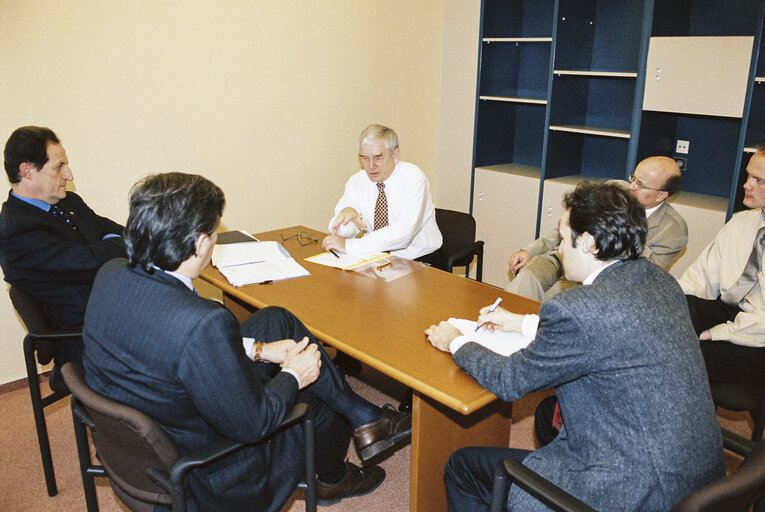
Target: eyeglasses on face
(302, 238)
(640, 185)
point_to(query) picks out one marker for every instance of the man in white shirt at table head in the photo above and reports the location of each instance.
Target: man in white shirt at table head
(388, 202)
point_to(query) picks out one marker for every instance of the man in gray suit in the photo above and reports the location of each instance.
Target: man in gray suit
(539, 274)
(640, 430)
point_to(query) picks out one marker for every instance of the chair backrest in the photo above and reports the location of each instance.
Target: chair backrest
(29, 310)
(127, 441)
(34, 319)
(457, 229)
(734, 492)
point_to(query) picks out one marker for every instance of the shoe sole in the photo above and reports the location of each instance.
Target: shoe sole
(325, 502)
(383, 445)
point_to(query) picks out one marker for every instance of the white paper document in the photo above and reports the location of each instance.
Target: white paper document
(263, 272)
(347, 262)
(227, 255)
(255, 262)
(503, 343)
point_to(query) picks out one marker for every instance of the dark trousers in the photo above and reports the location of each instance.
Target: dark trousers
(330, 397)
(469, 476)
(725, 361)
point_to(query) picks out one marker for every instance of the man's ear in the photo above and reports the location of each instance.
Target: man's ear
(663, 194)
(199, 245)
(25, 169)
(588, 243)
(396, 154)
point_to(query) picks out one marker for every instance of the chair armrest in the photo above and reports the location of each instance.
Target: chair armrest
(39, 341)
(216, 451)
(542, 489)
(54, 335)
(736, 443)
(469, 251)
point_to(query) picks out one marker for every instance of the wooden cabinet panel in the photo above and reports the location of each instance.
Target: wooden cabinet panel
(505, 210)
(705, 217)
(698, 75)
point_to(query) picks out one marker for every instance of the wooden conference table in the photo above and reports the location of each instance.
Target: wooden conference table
(382, 324)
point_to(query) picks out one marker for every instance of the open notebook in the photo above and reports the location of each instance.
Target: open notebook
(503, 343)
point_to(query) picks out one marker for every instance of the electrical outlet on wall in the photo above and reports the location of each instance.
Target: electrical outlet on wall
(682, 147)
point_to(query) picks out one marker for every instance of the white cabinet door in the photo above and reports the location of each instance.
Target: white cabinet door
(705, 216)
(698, 75)
(505, 210)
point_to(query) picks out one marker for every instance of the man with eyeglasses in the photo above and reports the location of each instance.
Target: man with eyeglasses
(538, 271)
(388, 202)
(723, 288)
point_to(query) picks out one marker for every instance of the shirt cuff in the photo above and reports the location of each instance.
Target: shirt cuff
(720, 332)
(247, 343)
(294, 374)
(347, 230)
(529, 326)
(457, 343)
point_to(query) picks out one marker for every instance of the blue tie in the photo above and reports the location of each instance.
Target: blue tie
(56, 211)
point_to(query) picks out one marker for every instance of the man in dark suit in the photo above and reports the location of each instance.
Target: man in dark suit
(51, 243)
(151, 342)
(640, 431)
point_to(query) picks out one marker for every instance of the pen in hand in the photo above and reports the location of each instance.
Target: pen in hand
(491, 310)
(334, 253)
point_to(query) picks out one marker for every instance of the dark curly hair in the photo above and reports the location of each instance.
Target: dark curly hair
(611, 215)
(167, 214)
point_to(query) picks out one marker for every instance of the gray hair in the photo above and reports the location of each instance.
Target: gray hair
(375, 132)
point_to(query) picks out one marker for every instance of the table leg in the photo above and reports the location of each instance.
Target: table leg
(240, 310)
(437, 431)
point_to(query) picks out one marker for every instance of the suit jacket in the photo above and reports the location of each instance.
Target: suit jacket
(640, 428)
(42, 255)
(667, 236)
(153, 344)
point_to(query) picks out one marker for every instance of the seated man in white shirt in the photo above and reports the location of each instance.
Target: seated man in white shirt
(539, 274)
(388, 202)
(727, 307)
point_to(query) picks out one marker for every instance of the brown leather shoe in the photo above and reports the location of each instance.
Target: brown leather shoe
(392, 429)
(356, 482)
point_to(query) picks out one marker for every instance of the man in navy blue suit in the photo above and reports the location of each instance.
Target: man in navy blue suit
(51, 243)
(151, 342)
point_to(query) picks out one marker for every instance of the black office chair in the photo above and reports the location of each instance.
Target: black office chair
(142, 463)
(742, 397)
(39, 346)
(459, 246)
(736, 492)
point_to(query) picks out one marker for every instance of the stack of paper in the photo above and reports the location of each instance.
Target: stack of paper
(255, 263)
(503, 343)
(346, 262)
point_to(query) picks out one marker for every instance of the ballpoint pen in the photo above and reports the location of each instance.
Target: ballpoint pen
(491, 310)
(334, 253)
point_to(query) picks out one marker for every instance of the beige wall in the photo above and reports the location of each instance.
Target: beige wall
(266, 98)
(457, 110)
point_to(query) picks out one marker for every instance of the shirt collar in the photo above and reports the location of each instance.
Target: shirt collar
(649, 211)
(184, 279)
(39, 203)
(589, 279)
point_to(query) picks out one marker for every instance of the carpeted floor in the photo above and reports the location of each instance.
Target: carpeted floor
(22, 486)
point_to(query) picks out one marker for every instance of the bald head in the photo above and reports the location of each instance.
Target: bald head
(655, 179)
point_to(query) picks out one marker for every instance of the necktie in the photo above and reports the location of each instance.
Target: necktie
(748, 279)
(381, 208)
(56, 211)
